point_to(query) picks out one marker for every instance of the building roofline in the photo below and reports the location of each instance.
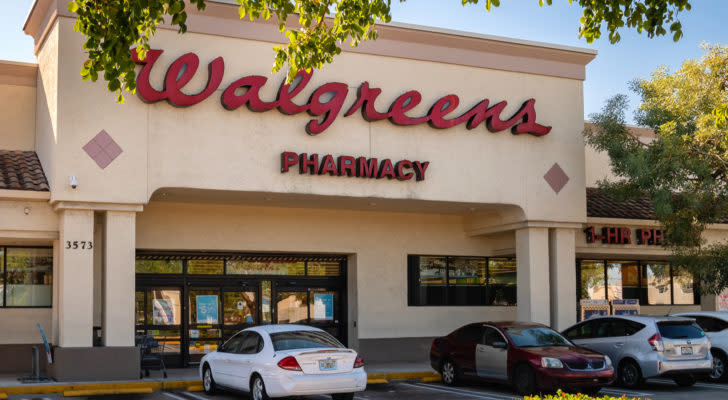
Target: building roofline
(399, 40)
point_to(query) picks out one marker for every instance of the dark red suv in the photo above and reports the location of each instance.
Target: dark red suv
(527, 355)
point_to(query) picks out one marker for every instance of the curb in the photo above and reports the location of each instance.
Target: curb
(386, 377)
(90, 389)
(111, 388)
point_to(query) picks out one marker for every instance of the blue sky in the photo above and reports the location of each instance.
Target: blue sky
(636, 56)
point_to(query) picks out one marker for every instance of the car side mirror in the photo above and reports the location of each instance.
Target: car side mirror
(500, 345)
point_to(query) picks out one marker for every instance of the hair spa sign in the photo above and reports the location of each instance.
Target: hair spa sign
(326, 101)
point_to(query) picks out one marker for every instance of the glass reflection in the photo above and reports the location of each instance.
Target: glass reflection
(592, 280)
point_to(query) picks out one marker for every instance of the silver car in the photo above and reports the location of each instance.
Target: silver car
(643, 347)
(715, 325)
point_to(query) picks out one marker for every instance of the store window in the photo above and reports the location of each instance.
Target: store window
(461, 281)
(26, 276)
(652, 282)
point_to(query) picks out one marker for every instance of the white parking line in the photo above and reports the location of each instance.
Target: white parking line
(174, 396)
(197, 396)
(699, 384)
(472, 393)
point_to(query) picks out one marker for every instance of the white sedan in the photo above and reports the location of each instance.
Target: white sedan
(284, 360)
(715, 325)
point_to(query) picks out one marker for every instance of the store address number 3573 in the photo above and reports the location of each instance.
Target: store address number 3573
(75, 244)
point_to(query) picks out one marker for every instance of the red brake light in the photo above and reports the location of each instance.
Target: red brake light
(656, 342)
(359, 362)
(289, 363)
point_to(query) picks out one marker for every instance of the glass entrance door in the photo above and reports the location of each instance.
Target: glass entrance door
(316, 306)
(159, 314)
(204, 326)
(217, 313)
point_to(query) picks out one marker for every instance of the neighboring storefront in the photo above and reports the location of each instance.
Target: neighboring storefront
(423, 181)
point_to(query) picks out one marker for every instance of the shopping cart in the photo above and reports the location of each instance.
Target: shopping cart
(152, 354)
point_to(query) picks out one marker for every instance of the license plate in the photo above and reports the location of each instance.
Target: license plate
(327, 364)
(686, 350)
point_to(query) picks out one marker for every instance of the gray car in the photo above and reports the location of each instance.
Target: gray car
(643, 347)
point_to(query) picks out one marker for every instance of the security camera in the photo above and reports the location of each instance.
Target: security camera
(73, 181)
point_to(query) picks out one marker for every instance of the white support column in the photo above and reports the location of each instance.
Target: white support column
(532, 269)
(563, 277)
(75, 278)
(119, 280)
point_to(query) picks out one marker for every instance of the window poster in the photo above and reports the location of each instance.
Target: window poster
(323, 306)
(163, 311)
(207, 312)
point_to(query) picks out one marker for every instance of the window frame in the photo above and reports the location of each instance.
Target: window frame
(4, 271)
(413, 284)
(643, 301)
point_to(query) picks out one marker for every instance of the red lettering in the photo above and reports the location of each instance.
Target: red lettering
(330, 109)
(589, 234)
(183, 69)
(186, 65)
(625, 236)
(366, 168)
(288, 159)
(328, 166)
(420, 169)
(365, 102)
(612, 235)
(308, 165)
(386, 169)
(251, 97)
(347, 165)
(442, 107)
(144, 88)
(645, 236)
(657, 236)
(403, 104)
(286, 93)
(400, 166)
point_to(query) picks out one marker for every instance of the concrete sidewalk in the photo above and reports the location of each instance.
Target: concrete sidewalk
(188, 378)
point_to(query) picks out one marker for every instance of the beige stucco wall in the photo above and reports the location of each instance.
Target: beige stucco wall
(206, 146)
(46, 118)
(17, 117)
(20, 325)
(380, 241)
(25, 222)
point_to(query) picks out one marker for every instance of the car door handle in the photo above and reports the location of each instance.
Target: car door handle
(619, 344)
(481, 349)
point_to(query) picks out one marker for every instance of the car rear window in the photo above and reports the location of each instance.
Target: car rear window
(293, 340)
(680, 330)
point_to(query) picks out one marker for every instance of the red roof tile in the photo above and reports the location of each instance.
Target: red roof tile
(601, 205)
(21, 170)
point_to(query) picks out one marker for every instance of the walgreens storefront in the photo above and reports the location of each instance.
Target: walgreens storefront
(423, 181)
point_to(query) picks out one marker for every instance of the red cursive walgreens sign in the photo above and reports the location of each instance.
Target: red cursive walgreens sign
(327, 101)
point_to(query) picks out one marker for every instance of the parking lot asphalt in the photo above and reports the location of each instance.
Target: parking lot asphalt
(413, 390)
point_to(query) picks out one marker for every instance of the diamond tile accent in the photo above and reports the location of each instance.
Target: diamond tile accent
(556, 178)
(102, 149)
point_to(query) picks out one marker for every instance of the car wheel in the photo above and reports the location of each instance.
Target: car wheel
(685, 380)
(629, 375)
(342, 396)
(257, 389)
(524, 380)
(208, 383)
(719, 367)
(449, 372)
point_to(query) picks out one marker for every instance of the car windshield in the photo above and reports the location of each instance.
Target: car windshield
(303, 340)
(535, 337)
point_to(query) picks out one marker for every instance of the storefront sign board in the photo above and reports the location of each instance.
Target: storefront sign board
(327, 101)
